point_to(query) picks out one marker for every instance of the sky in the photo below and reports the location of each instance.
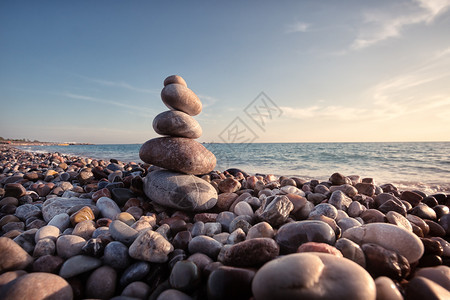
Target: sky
(265, 71)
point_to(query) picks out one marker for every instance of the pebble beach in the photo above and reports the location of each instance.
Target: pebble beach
(86, 229)
(174, 227)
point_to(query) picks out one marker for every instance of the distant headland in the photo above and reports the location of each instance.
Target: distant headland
(26, 142)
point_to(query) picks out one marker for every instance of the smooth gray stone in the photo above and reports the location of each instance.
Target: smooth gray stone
(79, 264)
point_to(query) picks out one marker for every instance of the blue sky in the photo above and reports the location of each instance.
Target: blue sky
(335, 71)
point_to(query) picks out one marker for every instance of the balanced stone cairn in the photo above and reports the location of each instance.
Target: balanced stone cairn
(180, 156)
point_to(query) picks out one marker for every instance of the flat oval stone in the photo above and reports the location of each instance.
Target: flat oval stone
(312, 276)
(62, 221)
(177, 123)
(291, 235)
(383, 262)
(439, 274)
(108, 208)
(206, 245)
(37, 286)
(69, 245)
(78, 264)
(251, 253)
(388, 236)
(122, 232)
(178, 154)
(179, 97)
(351, 250)
(179, 191)
(150, 246)
(48, 231)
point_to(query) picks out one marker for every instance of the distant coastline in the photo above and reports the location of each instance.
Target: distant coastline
(25, 142)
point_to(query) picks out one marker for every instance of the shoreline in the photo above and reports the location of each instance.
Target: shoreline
(77, 219)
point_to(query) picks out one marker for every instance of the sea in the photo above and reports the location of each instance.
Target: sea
(422, 166)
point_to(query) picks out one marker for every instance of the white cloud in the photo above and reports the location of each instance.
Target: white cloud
(384, 24)
(421, 89)
(121, 84)
(108, 102)
(298, 27)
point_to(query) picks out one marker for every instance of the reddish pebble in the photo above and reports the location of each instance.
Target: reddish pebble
(101, 193)
(319, 247)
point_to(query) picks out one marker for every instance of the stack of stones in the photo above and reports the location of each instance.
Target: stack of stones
(180, 156)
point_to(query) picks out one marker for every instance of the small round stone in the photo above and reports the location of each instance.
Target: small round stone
(49, 231)
(206, 245)
(174, 79)
(251, 253)
(150, 246)
(185, 276)
(290, 236)
(180, 97)
(177, 123)
(101, 284)
(116, 255)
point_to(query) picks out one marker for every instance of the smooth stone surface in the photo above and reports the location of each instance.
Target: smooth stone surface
(150, 246)
(172, 294)
(108, 208)
(78, 264)
(439, 274)
(251, 253)
(44, 247)
(319, 247)
(49, 231)
(290, 236)
(312, 276)
(62, 221)
(56, 206)
(26, 240)
(137, 289)
(177, 123)
(69, 245)
(206, 245)
(179, 97)
(185, 276)
(122, 232)
(85, 229)
(178, 154)
(135, 272)
(48, 264)
(420, 288)
(399, 220)
(7, 277)
(174, 79)
(116, 255)
(101, 284)
(351, 250)
(260, 230)
(37, 286)
(230, 283)
(26, 211)
(386, 289)
(12, 257)
(390, 237)
(179, 191)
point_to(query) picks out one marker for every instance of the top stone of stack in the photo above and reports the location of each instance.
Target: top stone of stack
(176, 95)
